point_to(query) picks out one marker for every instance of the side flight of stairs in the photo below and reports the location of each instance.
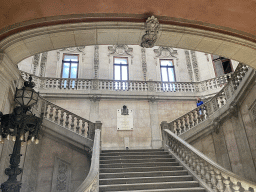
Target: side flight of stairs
(144, 171)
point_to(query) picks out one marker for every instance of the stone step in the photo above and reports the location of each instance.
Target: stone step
(152, 179)
(195, 189)
(145, 186)
(166, 159)
(133, 150)
(134, 153)
(143, 174)
(145, 164)
(140, 169)
(133, 157)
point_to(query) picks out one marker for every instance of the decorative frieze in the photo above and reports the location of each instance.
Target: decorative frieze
(149, 38)
(96, 61)
(43, 64)
(74, 49)
(144, 63)
(61, 176)
(189, 66)
(195, 65)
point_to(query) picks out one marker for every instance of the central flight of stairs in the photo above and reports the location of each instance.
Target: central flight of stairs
(144, 171)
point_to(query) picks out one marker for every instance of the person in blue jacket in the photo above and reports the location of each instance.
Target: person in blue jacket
(199, 102)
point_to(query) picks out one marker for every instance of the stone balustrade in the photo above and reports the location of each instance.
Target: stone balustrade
(65, 118)
(203, 112)
(115, 85)
(212, 176)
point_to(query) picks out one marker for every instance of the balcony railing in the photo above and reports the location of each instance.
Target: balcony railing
(130, 85)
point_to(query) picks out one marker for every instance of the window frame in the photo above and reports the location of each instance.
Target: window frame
(160, 61)
(116, 64)
(70, 62)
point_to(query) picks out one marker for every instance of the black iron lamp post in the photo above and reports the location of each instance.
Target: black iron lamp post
(19, 126)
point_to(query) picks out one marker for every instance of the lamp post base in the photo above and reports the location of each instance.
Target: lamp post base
(11, 186)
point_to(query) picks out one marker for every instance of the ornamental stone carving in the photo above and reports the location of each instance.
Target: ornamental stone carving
(43, 64)
(61, 176)
(96, 61)
(189, 66)
(150, 37)
(35, 63)
(253, 111)
(144, 63)
(195, 65)
(74, 49)
(166, 52)
(233, 109)
(120, 50)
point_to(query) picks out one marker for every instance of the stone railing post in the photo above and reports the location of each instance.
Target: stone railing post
(151, 86)
(95, 84)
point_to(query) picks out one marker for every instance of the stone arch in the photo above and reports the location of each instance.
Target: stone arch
(27, 43)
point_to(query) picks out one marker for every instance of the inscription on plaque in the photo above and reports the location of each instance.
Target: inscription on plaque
(125, 122)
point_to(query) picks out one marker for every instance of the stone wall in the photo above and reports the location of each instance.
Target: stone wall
(234, 147)
(144, 64)
(49, 166)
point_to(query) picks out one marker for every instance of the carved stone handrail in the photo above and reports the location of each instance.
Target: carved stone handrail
(129, 85)
(203, 112)
(215, 177)
(91, 183)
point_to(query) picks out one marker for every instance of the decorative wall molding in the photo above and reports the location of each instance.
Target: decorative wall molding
(96, 61)
(61, 176)
(195, 65)
(43, 64)
(152, 27)
(144, 63)
(253, 111)
(35, 63)
(120, 50)
(189, 66)
(74, 49)
(166, 53)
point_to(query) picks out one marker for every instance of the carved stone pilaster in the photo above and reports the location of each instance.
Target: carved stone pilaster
(96, 61)
(150, 37)
(35, 63)
(189, 66)
(43, 64)
(195, 65)
(144, 63)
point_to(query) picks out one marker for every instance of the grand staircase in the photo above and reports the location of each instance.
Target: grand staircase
(144, 170)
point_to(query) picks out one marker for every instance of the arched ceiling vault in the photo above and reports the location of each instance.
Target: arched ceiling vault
(29, 42)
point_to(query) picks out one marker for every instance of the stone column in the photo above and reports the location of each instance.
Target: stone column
(154, 125)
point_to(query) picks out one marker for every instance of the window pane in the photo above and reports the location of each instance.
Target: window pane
(124, 73)
(73, 73)
(164, 74)
(70, 58)
(166, 63)
(117, 73)
(171, 74)
(120, 60)
(65, 71)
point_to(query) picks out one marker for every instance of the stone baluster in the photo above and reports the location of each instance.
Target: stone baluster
(220, 185)
(203, 172)
(194, 117)
(198, 167)
(198, 110)
(77, 125)
(177, 127)
(46, 110)
(191, 122)
(83, 128)
(72, 125)
(61, 117)
(186, 118)
(213, 179)
(208, 175)
(205, 111)
(56, 117)
(182, 125)
(227, 182)
(236, 187)
(67, 120)
(51, 113)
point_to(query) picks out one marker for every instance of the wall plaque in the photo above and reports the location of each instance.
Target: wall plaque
(124, 120)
